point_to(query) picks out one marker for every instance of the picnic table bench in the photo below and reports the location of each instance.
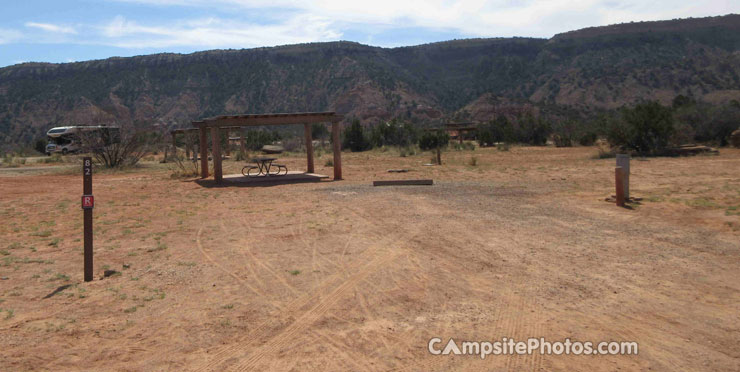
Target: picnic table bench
(264, 167)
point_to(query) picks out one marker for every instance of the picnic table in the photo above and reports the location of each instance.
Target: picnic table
(264, 167)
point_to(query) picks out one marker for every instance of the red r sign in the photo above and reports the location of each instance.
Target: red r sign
(88, 202)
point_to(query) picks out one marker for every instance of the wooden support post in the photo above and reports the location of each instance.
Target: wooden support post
(460, 134)
(196, 149)
(623, 161)
(216, 153)
(203, 147)
(242, 143)
(227, 150)
(619, 183)
(309, 147)
(337, 149)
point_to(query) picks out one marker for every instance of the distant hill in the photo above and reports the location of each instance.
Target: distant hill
(583, 70)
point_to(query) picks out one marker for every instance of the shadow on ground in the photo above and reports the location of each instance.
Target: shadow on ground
(238, 180)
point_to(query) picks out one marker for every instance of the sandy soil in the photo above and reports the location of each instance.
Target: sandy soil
(341, 276)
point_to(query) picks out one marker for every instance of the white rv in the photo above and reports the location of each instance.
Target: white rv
(67, 140)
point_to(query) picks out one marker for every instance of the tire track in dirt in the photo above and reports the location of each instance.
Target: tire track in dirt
(357, 214)
(247, 263)
(512, 318)
(322, 294)
(269, 268)
(537, 324)
(627, 335)
(224, 269)
(280, 340)
(310, 247)
(261, 262)
(341, 353)
(354, 279)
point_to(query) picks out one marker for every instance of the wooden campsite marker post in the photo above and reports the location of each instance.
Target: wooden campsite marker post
(88, 203)
(623, 161)
(619, 183)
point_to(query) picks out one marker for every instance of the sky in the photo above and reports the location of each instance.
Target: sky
(77, 30)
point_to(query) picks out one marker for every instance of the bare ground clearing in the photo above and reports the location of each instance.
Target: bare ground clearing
(343, 276)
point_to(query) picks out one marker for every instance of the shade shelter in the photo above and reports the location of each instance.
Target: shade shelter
(455, 129)
(460, 129)
(218, 123)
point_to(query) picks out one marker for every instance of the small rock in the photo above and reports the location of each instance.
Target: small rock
(109, 273)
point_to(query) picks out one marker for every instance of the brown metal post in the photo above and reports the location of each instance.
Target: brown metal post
(619, 183)
(309, 147)
(203, 147)
(87, 218)
(337, 149)
(216, 153)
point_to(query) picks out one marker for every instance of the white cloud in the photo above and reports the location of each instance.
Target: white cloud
(51, 27)
(217, 33)
(290, 21)
(541, 18)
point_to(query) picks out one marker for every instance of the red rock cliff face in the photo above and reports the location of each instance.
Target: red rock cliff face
(487, 107)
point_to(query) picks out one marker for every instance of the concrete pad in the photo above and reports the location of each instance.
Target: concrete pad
(291, 177)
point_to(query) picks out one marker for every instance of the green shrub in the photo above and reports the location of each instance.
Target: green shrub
(355, 137)
(701, 122)
(564, 133)
(588, 138)
(645, 128)
(532, 130)
(393, 133)
(319, 131)
(498, 130)
(434, 140)
(255, 139)
(40, 145)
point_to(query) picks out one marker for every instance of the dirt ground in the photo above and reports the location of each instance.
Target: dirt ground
(341, 276)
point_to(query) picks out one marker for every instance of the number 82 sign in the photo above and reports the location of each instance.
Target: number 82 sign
(88, 201)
